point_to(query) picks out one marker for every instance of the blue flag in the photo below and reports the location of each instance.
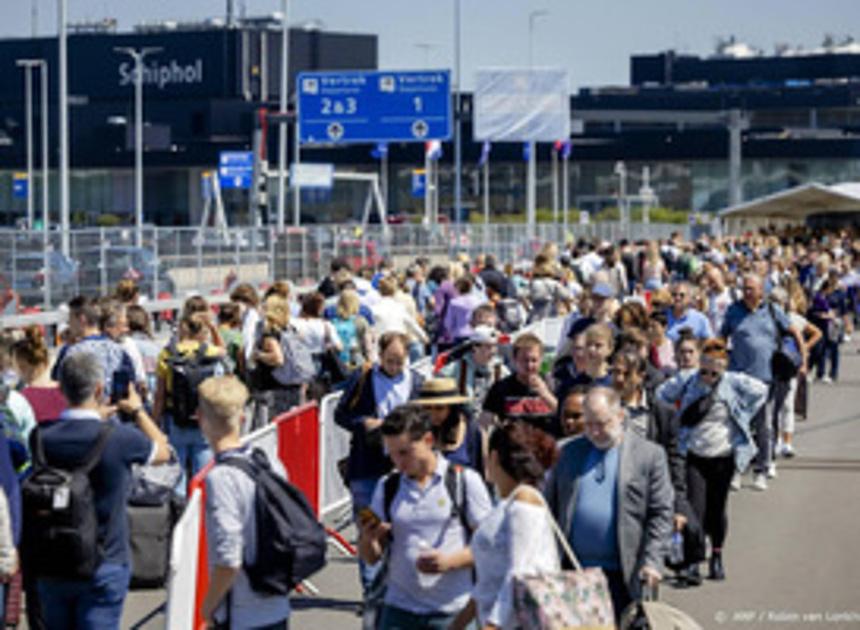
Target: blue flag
(485, 154)
(526, 151)
(379, 151)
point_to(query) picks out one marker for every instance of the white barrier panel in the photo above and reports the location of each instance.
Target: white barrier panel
(334, 446)
(184, 555)
(424, 367)
(266, 439)
(548, 330)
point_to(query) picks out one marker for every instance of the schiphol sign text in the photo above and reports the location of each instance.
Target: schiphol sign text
(163, 75)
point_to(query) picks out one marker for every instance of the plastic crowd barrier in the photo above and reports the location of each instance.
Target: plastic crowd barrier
(289, 438)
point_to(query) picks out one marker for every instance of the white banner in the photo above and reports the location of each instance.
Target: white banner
(310, 175)
(516, 105)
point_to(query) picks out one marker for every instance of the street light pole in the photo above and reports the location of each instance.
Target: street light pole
(282, 125)
(64, 127)
(28, 65)
(138, 56)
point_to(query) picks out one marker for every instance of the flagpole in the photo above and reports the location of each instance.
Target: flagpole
(486, 202)
(383, 165)
(565, 187)
(428, 186)
(555, 186)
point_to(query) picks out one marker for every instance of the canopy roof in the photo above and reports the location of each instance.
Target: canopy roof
(796, 204)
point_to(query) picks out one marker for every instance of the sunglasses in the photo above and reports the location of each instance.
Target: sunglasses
(709, 373)
(573, 415)
(679, 295)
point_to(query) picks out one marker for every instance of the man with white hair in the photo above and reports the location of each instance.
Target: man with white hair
(79, 434)
(611, 494)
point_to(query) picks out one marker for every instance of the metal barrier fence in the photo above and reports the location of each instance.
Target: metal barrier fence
(178, 261)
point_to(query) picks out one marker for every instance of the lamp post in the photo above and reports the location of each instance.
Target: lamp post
(426, 47)
(138, 55)
(64, 126)
(533, 16)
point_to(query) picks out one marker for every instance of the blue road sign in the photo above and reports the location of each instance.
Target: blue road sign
(367, 107)
(419, 183)
(235, 169)
(19, 186)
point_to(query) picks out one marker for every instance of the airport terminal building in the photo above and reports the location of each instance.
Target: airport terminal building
(205, 87)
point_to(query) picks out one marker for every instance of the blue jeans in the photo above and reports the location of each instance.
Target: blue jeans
(362, 494)
(96, 603)
(393, 618)
(824, 351)
(192, 450)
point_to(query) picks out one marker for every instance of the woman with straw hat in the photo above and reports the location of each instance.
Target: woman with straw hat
(458, 436)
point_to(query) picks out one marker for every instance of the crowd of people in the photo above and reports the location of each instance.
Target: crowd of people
(681, 367)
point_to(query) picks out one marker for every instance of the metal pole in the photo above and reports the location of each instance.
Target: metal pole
(64, 129)
(458, 149)
(735, 149)
(138, 55)
(45, 158)
(28, 98)
(383, 166)
(282, 125)
(555, 187)
(565, 191)
(297, 159)
(531, 185)
(138, 150)
(486, 203)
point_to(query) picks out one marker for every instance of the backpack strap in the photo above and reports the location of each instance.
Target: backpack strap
(359, 386)
(455, 484)
(95, 453)
(464, 367)
(390, 488)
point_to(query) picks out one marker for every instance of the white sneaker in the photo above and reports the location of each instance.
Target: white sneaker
(780, 446)
(736, 482)
(788, 451)
(847, 338)
(759, 482)
(827, 380)
(771, 470)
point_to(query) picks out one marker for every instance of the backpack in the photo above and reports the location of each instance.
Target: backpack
(510, 315)
(60, 522)
(299, 366)
(291, 542)
(348, 332)
(187, 373)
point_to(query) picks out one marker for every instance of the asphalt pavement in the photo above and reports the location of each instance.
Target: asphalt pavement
(792, 556)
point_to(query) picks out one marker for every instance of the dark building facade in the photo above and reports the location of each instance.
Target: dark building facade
(204, 89)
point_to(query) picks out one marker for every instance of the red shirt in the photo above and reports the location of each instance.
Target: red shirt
(47, 402)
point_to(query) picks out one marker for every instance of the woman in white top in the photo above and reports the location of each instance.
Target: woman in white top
(515, 539)
(317, 334)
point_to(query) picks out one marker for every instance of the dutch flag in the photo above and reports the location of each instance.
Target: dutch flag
(433, 150)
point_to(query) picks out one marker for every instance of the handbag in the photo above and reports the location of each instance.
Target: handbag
(786, 359)
(564, 600)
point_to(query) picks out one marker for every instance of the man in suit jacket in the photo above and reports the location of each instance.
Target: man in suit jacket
(611, 494)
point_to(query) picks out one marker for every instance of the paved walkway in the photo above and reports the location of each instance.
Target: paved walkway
(792, 556)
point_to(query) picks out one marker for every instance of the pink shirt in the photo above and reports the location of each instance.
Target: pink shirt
(47, 402)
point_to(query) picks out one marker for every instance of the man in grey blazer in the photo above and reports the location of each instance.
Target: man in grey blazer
(612, 495)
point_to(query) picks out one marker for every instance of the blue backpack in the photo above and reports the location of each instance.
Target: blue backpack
(348, 333)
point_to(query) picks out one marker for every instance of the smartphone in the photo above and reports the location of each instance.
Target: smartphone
(119, 387)
(368, 516)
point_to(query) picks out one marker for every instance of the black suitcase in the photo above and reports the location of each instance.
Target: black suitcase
(150, 528)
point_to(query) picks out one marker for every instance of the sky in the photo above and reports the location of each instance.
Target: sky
(593, 39)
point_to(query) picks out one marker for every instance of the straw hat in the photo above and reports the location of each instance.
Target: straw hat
(440, 391)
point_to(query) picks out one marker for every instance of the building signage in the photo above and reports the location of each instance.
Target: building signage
(163, 74)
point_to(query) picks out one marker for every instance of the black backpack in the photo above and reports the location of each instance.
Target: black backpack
(187, 373)
(454, 484)
(291, 542)
(60, 522)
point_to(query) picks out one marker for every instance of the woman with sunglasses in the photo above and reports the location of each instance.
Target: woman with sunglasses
(715, 408)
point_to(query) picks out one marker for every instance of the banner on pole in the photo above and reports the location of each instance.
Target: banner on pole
(20, 184)
(520, 105)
